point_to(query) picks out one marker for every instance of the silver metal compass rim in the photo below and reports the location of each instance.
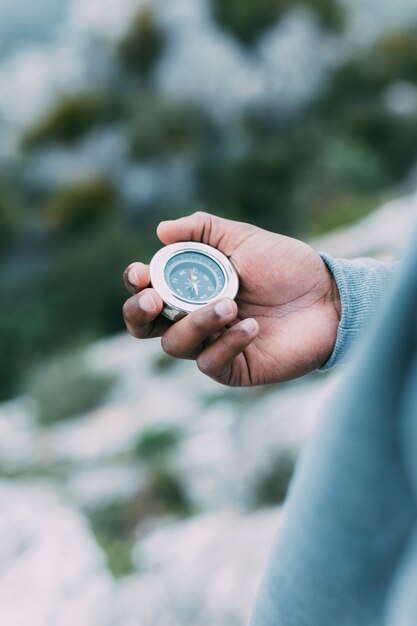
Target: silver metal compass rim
(175, 308)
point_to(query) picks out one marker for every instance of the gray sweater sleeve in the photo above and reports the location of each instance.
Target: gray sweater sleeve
(362, 283)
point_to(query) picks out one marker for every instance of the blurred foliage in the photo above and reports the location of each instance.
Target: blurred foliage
(157, 442)
(74, 287)
(79, 208)
(7, 225)
(271, 485)
(65, 387)
(143, 45)
(162, 128)
(164, 363)
(119, 555)
(72, 118)
(392, 58)
(167, 493)
(246, 19)
(115, 524)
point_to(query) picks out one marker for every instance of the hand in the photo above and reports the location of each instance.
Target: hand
(282, 325)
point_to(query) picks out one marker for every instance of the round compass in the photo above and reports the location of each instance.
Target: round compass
(189, 275)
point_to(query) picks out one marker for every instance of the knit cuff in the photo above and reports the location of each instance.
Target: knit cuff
(362, 284)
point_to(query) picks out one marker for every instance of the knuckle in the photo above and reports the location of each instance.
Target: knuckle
(204, 220)
(198, 322)
(204, 365)
(134, 332)
(167, 345)
(201, 215)
(127, 312)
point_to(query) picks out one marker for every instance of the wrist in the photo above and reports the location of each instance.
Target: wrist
(333, 308)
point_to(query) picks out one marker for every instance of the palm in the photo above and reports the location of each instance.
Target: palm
(286, 287)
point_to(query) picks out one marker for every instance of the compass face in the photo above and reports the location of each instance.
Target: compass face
(189, 274)
(194, 277)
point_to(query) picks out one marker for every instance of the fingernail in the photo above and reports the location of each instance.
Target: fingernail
(147, 303)
(224, 308)
(133, 276)
(249, 325)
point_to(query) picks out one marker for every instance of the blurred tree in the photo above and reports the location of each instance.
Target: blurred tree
(257, 182)
(156, 443)
(7, 225)
(354, 104)
(392, 58)
(72, 118)
(161, 128)
(246, 19)
(77, 208)
(143, 45)
(84, 281)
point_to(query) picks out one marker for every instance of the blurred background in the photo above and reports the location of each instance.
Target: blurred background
(133, 490)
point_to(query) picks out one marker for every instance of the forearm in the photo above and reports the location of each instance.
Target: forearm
(362, 284)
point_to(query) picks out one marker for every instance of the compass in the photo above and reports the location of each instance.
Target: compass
(189, 275)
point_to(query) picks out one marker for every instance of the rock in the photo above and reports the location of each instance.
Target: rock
(95, 437)
(20, 448)
(202, 571)
(52, 572)
(227, 448)
(96, 487)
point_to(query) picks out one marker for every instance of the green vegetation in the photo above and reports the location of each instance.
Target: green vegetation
(7, 227)
(114, 525)
(60, 281)
(143, 45)
(392, 58)
(72, 118)
(167, 494)
(157, 442)
(164, 363)
(161, 128)
(246, 20)
(75, 209)
(65, 388)
(271, 486)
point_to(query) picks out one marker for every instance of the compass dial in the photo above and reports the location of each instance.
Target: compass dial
(194, 277)
(188, 275)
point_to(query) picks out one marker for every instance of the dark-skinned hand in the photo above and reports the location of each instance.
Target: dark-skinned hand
(282, 325)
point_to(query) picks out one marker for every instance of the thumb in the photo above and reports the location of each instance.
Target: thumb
(200, 226)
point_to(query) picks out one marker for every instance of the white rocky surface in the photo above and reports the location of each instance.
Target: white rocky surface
(203, 571)
(51, 571)
(100, 486)
(19, 436)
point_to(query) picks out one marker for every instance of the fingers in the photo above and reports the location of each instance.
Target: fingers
(218, 361)
(142, 315)
(185, 339)
(199, 226)
(136, 277)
